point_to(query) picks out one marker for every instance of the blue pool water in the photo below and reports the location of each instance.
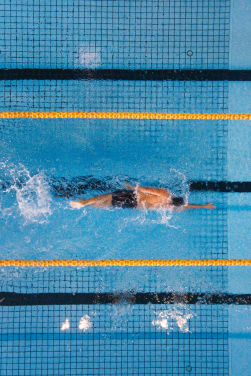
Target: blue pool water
(140, 153)
(45, 163)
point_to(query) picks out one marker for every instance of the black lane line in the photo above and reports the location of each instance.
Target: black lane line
(126, 74)
(221, 186)
(18, 299)
(62, 187)
(81, 185)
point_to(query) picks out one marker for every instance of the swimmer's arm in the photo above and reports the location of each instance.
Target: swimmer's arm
(210, 205)
(150, 191)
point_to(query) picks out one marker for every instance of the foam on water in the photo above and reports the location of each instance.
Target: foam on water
(32, 192)
(164, 218)
(85, 323)
(65, 325)
(120, 314)
(168, 318)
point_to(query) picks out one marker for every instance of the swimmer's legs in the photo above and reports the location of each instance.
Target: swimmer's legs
(102, 201)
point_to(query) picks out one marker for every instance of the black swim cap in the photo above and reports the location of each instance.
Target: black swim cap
(178, 201)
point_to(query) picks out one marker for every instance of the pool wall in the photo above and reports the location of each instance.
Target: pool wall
(239, 162)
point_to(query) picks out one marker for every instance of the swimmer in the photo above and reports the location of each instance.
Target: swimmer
(140, 198)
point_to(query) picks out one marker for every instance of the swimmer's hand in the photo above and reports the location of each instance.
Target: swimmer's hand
(210, 205)
(76, 204)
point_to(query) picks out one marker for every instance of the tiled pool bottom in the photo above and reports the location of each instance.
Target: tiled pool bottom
(124, 339)
(119, 338)
(160, 153)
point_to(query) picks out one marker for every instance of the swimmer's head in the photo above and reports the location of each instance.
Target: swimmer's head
(178, 201)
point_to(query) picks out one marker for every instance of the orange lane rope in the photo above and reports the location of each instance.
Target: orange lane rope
(61, 263)
(123, 115)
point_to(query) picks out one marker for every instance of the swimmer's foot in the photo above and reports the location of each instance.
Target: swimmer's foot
(76, 204)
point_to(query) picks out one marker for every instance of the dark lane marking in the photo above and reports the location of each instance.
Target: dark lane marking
(18, 299)
(81, 185)
(62, 187)
(126, 74)
(221, 186)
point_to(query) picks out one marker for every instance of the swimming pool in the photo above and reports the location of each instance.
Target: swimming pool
(46, 162)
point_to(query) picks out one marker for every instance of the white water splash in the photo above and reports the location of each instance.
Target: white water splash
(181, 177)
(32, 192)
(167, 318)
(33, 199)
(140, 217)
(149, 217)
(85, 323)
(164, 218)
(90, 57)
(176, 180)
(120, 314)
(65, 325)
